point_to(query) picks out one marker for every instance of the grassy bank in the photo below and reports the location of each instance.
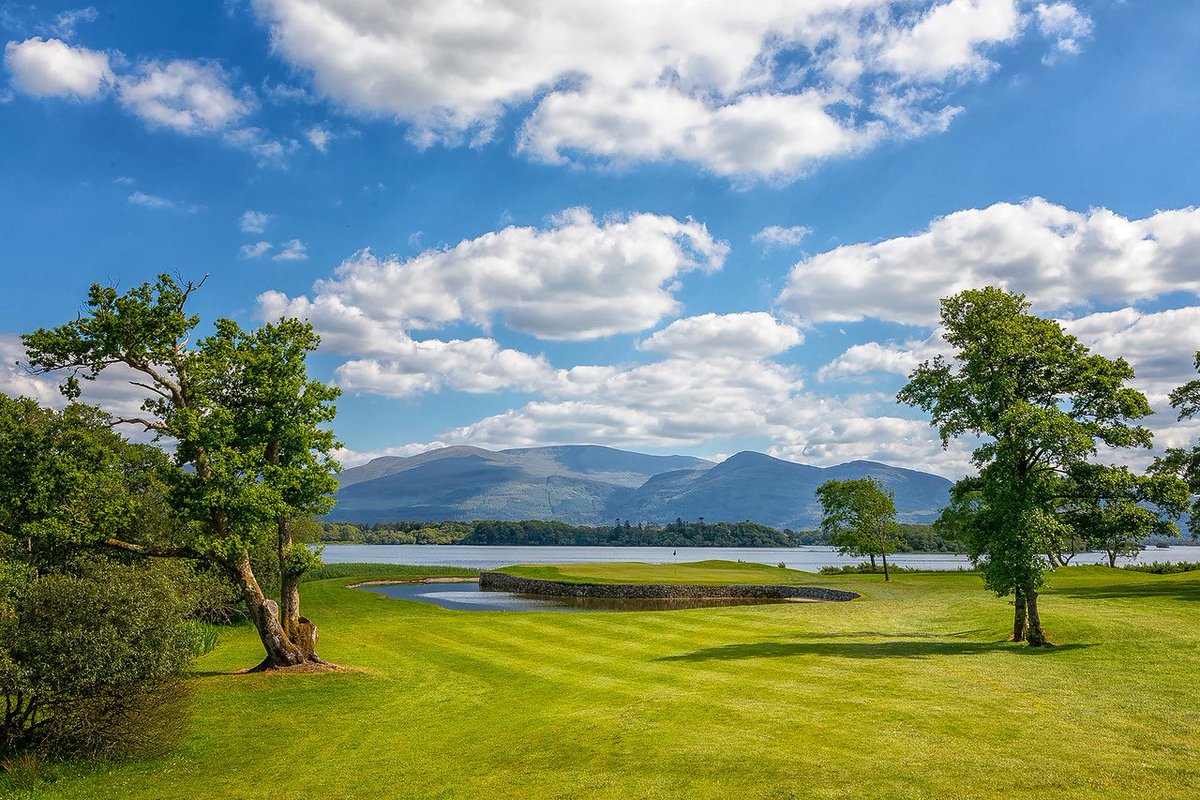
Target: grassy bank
(909, 692)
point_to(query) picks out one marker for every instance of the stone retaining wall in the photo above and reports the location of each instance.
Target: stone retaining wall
(503, 582)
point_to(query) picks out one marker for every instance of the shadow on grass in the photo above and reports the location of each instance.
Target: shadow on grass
(902, 646)
(1171, 590)
(879, 635)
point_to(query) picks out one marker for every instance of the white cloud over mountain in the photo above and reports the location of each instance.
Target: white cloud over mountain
(473, 365)
(654, 404)
(749, 334)
(757, 91)
(717, 376)
(1059, 258)
(578, 278)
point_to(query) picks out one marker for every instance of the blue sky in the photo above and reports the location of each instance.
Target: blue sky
(517, 223)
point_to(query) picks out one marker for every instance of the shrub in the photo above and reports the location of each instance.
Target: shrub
(89, 661)
(866, 569)
(1164, 568)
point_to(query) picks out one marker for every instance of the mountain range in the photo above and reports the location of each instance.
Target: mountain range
(593, 485)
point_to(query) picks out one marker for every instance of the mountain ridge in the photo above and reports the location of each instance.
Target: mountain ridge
(594, 484)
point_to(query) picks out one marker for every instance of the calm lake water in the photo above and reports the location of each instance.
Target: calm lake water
(469, 597)
(809, 559)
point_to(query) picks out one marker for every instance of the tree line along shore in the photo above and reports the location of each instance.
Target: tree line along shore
(913, 537)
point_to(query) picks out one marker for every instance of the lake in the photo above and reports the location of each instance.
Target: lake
(809, 559)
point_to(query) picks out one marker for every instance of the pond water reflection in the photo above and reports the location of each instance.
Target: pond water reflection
(469, 597)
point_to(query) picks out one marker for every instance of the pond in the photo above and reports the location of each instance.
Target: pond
(467, 596)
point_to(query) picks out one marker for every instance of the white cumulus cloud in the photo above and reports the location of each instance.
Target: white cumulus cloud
(473, 365)
(951, 38)
(319, 137)
(749, 334)
(861, 361)
(253, 221)
(1160, 345)
(754, 91)
(780, 236)
(187, 96)
(1065, 24)
(1058, 257)
(53, 68)
(578, 278)
(256, 250)
(292, 251)
(111, 391)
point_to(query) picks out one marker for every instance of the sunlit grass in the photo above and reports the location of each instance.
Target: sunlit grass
(910, 692)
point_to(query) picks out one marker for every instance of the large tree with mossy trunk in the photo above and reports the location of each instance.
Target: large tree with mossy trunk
(247, 425)
(1041, 403)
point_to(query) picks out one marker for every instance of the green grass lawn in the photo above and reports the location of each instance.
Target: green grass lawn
(909, 692)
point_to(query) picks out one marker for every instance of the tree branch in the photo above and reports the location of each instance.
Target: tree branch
(148, 387)
(148, 424)
(156, 552)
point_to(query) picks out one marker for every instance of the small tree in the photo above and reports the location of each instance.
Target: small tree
(1113, 509)
(859, 518)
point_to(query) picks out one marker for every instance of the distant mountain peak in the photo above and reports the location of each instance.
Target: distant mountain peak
(594, 484)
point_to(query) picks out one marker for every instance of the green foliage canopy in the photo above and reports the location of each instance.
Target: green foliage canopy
(1185, 461)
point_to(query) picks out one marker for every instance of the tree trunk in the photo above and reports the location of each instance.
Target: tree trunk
(1036, 636)
(885, 568)
(872, 557)
(1112, 558)
(289, 584)
(264, 612)
(1020, 618)
(299, 629)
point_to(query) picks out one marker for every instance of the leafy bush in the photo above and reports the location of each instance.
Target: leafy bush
(89, 660)
(1165, 568)
(866, 569)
